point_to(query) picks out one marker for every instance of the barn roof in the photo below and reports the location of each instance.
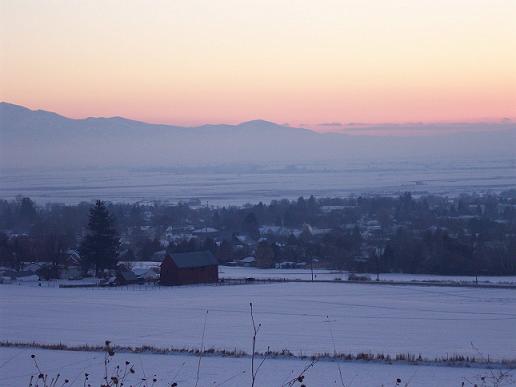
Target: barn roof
(194, 259)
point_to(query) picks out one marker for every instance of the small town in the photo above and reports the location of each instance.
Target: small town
(468, 235)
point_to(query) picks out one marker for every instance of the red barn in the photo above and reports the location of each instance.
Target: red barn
(189, 268)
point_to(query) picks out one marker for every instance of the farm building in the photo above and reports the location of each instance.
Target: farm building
(248, 262)
(127, 277)
(189, 268)
(147, 274)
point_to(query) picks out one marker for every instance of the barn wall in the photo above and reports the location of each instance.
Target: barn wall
(206, 274)
(172, 275)
(168, 272)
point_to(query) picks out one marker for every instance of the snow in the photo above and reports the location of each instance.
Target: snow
(433, 321)
(330, 275)
(17, 367)
(221, 185)
(248, 260)
(34, 281)
(27, 278)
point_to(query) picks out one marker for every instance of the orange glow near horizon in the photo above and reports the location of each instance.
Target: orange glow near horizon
(303, 62)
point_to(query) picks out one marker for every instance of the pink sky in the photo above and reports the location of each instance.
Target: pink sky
(303, 62)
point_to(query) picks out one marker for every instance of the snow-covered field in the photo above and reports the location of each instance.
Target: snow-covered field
(238, 272)
(16, 367)
(237, 185)
(306, 274)
(301, 317)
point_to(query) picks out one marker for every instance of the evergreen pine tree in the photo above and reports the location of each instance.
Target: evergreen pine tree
(100, 247)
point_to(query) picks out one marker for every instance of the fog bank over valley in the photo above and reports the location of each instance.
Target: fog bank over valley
(44, 139)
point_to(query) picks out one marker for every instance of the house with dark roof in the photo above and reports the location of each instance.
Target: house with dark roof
(189, 268)
(127, 277)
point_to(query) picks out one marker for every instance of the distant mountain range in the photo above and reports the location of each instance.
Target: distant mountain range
(38, 138)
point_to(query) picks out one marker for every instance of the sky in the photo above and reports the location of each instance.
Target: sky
(320, 64)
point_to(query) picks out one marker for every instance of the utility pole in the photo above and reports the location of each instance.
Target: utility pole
(206, 222)
(475, 259)
(378, 251)
(377, 267)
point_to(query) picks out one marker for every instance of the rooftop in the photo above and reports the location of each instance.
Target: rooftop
(194, 259)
